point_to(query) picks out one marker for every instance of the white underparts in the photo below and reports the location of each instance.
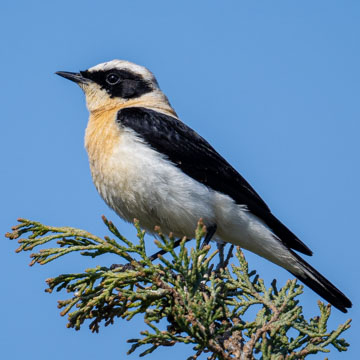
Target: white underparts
(138, 182)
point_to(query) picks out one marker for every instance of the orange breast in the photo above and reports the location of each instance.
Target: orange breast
(102, 134)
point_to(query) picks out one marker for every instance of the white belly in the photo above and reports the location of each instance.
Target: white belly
(137, 182)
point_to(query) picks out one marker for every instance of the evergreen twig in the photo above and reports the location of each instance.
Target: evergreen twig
(202, 306)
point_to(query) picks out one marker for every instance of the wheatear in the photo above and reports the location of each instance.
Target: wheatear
(147, 164)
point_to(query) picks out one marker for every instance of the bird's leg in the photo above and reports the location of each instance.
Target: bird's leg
(224, 262)
(221, 247)
(211, 230)
(162, 252)
(210, 233)
(152, 257)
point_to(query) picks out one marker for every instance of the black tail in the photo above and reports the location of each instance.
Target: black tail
(322, 286)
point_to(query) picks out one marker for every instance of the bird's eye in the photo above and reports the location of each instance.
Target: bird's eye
(112, 79)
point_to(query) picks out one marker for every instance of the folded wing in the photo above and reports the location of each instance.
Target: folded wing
(199, 160)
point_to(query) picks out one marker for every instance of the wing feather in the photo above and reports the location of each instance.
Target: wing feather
(199, 160)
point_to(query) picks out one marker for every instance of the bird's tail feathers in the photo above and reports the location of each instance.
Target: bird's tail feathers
(318, 283)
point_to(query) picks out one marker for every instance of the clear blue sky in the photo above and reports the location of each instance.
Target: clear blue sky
(273, 85)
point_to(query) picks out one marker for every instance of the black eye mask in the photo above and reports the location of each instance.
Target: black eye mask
(119, 83)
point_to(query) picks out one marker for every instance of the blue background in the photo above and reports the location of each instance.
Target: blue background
(273, 85)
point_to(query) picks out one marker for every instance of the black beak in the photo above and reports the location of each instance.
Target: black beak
(76, 77)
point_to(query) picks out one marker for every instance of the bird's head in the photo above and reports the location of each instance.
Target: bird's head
(116, 83)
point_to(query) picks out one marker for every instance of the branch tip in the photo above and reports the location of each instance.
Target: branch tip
(202, 302)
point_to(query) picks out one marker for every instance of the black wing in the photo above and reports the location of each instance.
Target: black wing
(199, 160)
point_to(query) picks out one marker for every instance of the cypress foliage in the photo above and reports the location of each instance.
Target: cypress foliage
(186, 296)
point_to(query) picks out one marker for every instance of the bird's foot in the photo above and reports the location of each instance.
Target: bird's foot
(122, 267)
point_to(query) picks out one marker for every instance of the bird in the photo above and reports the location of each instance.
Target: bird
(149, 165)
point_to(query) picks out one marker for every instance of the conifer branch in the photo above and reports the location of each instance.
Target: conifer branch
(204, 303)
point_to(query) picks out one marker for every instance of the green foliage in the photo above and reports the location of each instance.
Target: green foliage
(183, 299)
